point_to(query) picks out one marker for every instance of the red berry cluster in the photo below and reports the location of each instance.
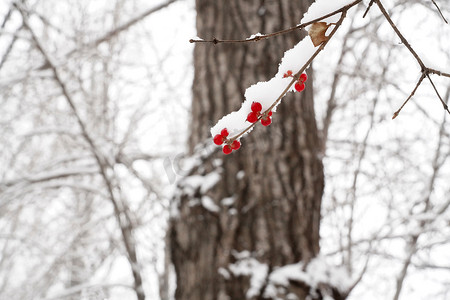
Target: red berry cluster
(254, 115)
(219, 139)
(300, 84)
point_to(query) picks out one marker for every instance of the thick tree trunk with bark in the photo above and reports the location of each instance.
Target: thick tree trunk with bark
(268, 198)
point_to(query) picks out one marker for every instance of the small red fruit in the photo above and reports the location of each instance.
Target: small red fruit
(256, 107)
(299, 86)
(266, 121)
(287, 74)
(270, 113)
(224, 133)
(227, 149)
(235, 145)
(303, 77)
(218, 139)
(252, 117)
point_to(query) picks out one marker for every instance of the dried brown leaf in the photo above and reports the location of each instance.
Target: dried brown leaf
(317, 33)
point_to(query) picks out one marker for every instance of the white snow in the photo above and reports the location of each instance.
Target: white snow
(208, 203)
(240, 174)
(224, 272)
(323, 7)
(254, 35)
(318, 271)
(204, 183)
(227, 201)
(249, 266)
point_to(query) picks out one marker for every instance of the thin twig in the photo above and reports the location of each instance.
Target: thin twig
(439, 10)
(437, 93)
(410, 96)
(437, 72)
(400, 35)
(368, 8)
(284, 31)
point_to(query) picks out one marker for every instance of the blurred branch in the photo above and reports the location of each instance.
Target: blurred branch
(32, 179)
(121, 211)
(10, 46)
(5, 20)
(439, 10)
(110, 34)
(79, 288)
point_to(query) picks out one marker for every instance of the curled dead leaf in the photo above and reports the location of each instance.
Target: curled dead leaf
(317, 33)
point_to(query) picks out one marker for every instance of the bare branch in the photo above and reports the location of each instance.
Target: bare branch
(284, 31)
(121, 212)
(400, 35)
(437, 93)
(107, 36)
(410, 96)
(368, 8)
(439, 10)
(425, 70)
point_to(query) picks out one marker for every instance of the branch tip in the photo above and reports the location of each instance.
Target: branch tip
(368, 8)
(440, 12)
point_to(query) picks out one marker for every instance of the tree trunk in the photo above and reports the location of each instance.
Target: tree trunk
(268, 198)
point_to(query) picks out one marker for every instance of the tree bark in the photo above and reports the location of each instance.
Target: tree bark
(273, 185)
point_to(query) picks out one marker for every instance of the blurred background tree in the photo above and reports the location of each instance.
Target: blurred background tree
(94, 104)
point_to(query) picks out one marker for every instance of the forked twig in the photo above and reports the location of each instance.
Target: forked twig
(425, 70)
(409, 97)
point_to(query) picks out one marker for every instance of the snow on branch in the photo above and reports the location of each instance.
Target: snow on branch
(263, 97)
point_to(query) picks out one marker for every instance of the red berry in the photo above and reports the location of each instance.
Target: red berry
(266, 121)
(227, 149)
(299, 86)
(252, 117)
(270, 113)
(218, 139)
(235, 145)
(303, 77)
(287, 74)
(224, 133)
(256, 107)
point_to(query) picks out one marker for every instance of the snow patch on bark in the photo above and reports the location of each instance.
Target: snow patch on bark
(317, 272)
(251, 267)
(202, 183)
